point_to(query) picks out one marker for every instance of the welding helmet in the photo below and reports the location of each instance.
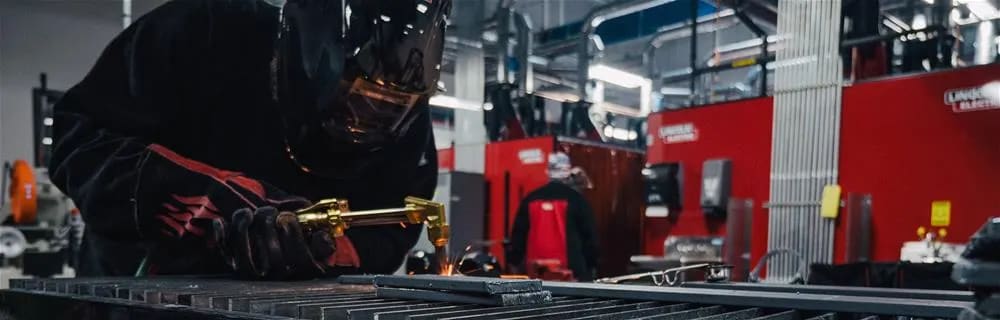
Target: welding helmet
(560, 168)
(352, 79)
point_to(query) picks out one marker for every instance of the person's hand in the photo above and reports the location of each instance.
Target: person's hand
(268, 244)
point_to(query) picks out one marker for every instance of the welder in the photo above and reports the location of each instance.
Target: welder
(556, 223)
(205, 124)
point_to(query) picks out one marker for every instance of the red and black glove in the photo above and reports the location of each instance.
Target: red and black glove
(255, 229)
(269, 244)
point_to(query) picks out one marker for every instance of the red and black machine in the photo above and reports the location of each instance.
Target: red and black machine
(911, 142)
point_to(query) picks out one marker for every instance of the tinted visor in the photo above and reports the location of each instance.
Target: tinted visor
(394, 60)
(371, 114)
(398, 43)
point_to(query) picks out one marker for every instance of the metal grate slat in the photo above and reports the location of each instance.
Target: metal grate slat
(263, 304)
(369, 313)
(289, 308)
(785, 315)
(402, 315)
(688, 314)
(535, 311)
(743, 314)
(640, 313)
(825, 316)
(556, 302)
(316, 310)
(580, 313)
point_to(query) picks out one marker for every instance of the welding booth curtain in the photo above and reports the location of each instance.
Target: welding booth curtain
(617, 199)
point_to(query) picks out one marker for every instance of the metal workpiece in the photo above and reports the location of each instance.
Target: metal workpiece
(672, 276)
(459, 284)
(222, 298)
(499, 299)
(943, 295)
(356, 279)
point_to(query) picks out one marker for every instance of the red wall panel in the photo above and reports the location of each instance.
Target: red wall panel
(739, 131)
(616, 200)
(446, 159)
(902, 144)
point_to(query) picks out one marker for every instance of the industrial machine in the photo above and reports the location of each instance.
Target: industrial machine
(42, 230)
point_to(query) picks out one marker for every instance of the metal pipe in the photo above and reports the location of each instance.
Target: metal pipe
(822, 161)
(667, 33)
(126, 13)
(814, 145)
(526, 79)
(835, 74)
(818, 104)
(788, 164)
(503, 14)
(678, 31)
(594, 19)
(766, 5)
(763, 70)
(694, 49)
(774, 236)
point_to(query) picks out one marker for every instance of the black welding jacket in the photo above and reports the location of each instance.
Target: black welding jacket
(176, 127)
(555, 222)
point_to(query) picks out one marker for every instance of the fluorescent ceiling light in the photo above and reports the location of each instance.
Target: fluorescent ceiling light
(558, 96)
(455, 103)
(620, 133)
(598, 42)
(919, 22)
(981, 8)
(490, 36)
(899, 23)
(538, 60)
(617, 77)
(675, 91)
(893, 26)
(619, 109)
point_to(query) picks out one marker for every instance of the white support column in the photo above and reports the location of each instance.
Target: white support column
(470, 132)
(806, 133)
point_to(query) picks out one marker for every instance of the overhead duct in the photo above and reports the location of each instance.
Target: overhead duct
(720, 20)
(594, 19)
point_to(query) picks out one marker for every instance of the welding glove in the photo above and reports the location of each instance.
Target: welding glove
(267, 243)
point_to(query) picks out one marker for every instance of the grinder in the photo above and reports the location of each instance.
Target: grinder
(336, 216)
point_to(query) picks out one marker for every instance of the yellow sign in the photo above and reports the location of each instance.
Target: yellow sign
(831, 201)
(941, 213)
(744, 62)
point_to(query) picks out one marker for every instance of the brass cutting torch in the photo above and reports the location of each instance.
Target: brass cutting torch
(335, 215)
